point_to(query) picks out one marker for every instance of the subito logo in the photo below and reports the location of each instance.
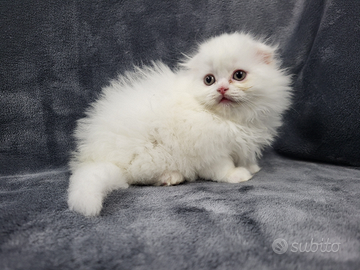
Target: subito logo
(279, 246)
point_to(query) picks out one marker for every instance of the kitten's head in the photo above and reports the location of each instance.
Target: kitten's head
(235, 74)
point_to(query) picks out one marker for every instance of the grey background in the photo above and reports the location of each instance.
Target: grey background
(56, 55)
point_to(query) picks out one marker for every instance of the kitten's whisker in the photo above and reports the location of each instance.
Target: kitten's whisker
(185, 55)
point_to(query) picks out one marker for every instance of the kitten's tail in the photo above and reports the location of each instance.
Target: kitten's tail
(89, 184)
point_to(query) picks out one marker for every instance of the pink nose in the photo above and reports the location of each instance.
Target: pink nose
(222, 90)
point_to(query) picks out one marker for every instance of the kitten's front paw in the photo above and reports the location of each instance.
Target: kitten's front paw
(88, 204)
(239, 174)
(170, 178)
(254, 168)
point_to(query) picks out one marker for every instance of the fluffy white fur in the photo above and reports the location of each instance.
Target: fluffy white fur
(161, 127)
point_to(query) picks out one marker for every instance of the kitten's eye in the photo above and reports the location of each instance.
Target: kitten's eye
(209, 79)
(239, 75)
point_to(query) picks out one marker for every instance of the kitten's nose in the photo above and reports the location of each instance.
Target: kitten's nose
(222, 90)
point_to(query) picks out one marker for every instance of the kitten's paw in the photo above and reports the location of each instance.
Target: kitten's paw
(239, 174)
(253, 168)
(86, 203)
(170, 178)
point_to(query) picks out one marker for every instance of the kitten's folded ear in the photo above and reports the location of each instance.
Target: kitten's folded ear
(265, 53)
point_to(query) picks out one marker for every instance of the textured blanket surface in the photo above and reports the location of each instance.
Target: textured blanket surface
(200, 225)
(324, 121)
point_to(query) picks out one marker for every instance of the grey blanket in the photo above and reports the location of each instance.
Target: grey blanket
(201, 225)
(55, 56)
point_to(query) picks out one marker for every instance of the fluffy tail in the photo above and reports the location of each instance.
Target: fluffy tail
(90, 183)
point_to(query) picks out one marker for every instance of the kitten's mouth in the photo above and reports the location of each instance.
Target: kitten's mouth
(225, 100)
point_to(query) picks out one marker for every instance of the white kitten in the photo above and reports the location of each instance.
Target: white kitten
(210, 119)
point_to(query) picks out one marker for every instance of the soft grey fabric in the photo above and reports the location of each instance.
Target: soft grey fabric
(56, 55)
(324, 121)
(54, 58)
(200, 225)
